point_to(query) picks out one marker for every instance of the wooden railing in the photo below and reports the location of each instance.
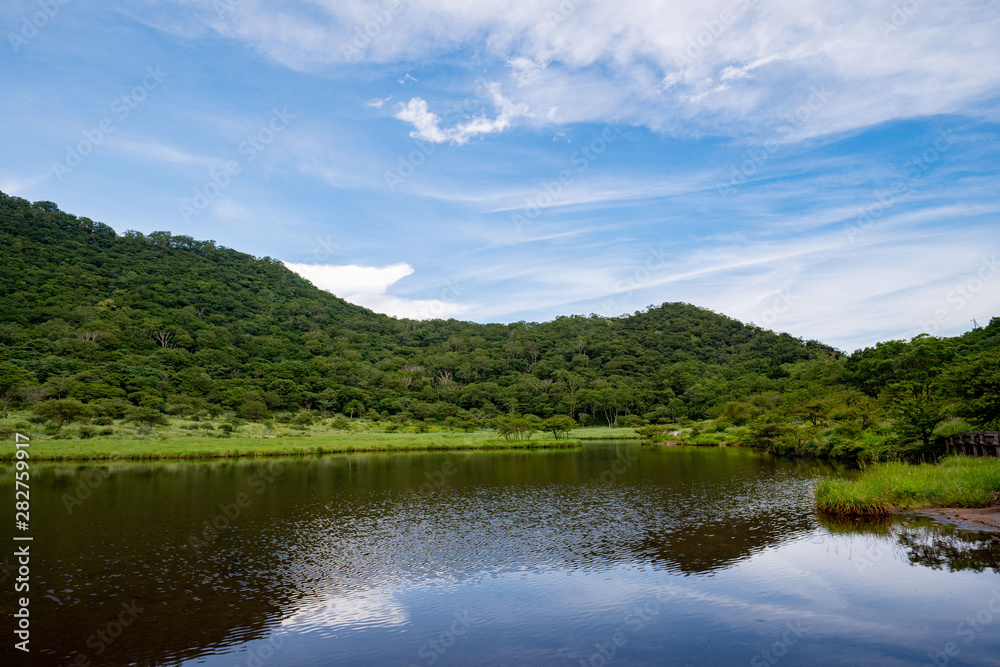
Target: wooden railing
(980, 443)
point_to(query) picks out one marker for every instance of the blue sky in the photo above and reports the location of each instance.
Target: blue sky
(826, 169)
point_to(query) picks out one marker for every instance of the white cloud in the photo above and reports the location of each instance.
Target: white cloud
(377, 103)
(661, 64)
(428, 124)
(156, 151)
(367, 286)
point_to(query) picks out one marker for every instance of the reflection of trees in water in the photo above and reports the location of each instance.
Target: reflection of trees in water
(928, 543)
(952, 548)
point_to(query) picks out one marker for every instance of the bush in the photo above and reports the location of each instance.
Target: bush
(651, 432)
(61, 410)
(110, 407)
(631, 421)
(145, 416)
(303, 419)
(254, 411)
(952, 427)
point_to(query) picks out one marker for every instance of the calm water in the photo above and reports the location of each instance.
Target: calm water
(610, 554)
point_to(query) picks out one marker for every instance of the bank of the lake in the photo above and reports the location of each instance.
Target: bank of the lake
(883, 488)
(236, 446)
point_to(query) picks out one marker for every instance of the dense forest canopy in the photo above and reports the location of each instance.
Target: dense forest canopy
(183, 327)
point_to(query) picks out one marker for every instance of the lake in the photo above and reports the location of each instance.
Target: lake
(612, 553)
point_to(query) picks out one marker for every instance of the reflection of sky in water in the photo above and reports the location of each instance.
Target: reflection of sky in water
(820, 597)
(688, 557)
(373, 608)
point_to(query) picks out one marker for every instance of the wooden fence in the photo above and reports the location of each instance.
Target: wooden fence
(981, 443)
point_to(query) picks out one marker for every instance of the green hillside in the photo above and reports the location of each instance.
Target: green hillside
(184, 328)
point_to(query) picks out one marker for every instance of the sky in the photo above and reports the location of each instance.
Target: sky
(825, 169)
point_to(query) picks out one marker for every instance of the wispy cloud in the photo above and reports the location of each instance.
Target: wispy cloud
(722, 65)
(428, 125)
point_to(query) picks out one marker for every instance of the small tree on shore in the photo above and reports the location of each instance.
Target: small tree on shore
(61, 410)
(514, 427)
(559, 426)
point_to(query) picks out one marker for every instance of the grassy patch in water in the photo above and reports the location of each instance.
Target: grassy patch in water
(214, 447)
(957, 481)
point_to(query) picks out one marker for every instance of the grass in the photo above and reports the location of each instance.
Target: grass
(287, 445)
(604, 433)
(957, 481)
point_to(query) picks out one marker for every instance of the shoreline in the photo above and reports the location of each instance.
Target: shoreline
(159, 450)
(983, 519)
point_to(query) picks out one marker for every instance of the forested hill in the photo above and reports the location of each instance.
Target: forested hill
(123, 324)
(182, 324)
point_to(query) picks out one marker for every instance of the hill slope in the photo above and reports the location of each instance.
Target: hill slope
(185, 326)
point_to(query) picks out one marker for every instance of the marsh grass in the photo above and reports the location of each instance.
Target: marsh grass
(289, 445)
(957, 481)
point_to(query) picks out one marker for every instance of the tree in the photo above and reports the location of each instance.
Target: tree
(7, 397)
(514, 427)
(354, 406)
(61, 410)
(977, 383)
(145, 416)
(559, 426)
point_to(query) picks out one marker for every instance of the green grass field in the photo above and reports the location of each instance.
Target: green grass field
(289, 445)
(957, 481)
(225, 437)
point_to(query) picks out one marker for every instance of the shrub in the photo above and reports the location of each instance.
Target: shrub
(61, 410)
(145, 416)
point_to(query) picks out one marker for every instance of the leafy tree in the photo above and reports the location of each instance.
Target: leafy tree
(61, 410)
(146, 416)
(559, 426)
(514, 427)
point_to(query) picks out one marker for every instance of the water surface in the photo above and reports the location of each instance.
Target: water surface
(609, 554)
